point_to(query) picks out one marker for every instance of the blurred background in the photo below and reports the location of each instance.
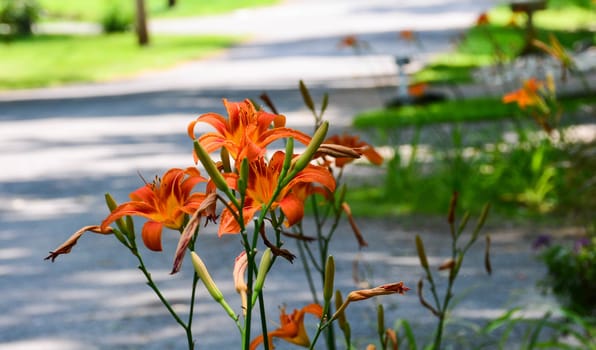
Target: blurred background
(94, 93)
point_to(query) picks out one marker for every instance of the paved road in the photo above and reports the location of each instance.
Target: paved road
(62, 148)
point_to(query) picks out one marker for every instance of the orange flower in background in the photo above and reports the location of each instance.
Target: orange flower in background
(407, 35)
(262, 182)
(291, 327)
(354, 142)
(526, 96)
(165, 202)
(482, 19)
(348, 41)
(246, 132)
(417, 89)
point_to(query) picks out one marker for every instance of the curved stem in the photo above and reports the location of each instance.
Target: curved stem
(311, 283)
(163, 300)
(195, 280)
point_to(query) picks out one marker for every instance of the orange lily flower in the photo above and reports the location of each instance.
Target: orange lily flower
(407, 35)
(246, 132)
(165, 202)
(262, 182)
(354, 142)
(348, 41)
(482, 19)
(418, 89)
(292, 327)
(526, 96)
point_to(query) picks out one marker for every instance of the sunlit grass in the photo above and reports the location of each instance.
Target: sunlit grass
(469, 110)
(499, 42)
(46, 60)
(92, 10)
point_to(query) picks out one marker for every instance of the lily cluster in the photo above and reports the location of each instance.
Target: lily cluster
(262, 192)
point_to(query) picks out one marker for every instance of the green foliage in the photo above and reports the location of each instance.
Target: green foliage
(116, 19)
(572, 275)
(437, 153)
(453, 111)
(469, 110)
(46, 60)
(498, 42)
(19, 15)
(567, 330)
(92, 10)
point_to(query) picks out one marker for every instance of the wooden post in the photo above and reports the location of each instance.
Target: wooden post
(529, 7)
(141, 23)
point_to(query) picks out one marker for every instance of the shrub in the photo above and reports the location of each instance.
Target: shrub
(116, 19)
(571, 275)
(19, 15)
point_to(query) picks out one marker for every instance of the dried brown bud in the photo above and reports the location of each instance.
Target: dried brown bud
(66, 247)
(337, 151)
(447, 264)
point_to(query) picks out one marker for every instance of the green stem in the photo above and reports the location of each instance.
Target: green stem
(263, 321)
(309, 278)
(195, 280)
(163, 300)
(249, 283)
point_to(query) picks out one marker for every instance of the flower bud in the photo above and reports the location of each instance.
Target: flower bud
(487, 264)
(216, 294)
(341, 318)
(447, 264)
(304, 159)
(243, 179)
(480, 222)
(263, 270)
(421, 253)
(204, 275)
(380, 319)
(111, 203)
(329, 279)
(210, 167)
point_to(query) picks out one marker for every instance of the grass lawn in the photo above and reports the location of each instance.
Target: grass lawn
(570, 24)
(46, 60)
(469, 110)
(92, 10)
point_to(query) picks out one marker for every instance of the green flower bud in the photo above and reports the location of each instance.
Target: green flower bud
(304, 159)
(263, 270)
(421, 253)
(204, 275)
(329, 279)
(210, 167)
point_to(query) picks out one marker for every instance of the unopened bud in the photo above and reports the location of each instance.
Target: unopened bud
(216, 294)
(421, 252)
(341, 318)
(212, 170)
(204, 275)
(380, 319)
(112, 205)
(480, 222)
(447, 264)
(329, 279)
(304, 159)
(263, 269)
(487, 264)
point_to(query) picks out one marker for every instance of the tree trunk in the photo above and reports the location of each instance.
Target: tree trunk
(171, 3)
(141, 23)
